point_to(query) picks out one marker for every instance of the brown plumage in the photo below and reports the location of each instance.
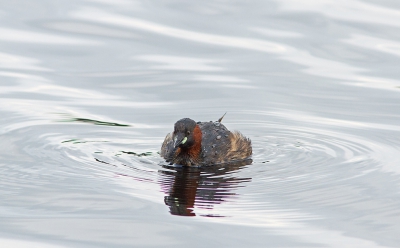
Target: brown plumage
(204, 143)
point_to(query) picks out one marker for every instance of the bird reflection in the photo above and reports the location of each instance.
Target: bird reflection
(202, 187)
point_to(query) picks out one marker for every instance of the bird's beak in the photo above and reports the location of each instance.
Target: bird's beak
(179, 139)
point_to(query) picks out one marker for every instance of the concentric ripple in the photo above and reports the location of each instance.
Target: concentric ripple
(294, 166)
(300, 174)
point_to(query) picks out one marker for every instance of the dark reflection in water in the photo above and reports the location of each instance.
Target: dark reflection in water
(96, 122)
(69, 118)
(200, 187)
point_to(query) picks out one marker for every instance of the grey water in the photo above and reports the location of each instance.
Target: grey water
(90, 88)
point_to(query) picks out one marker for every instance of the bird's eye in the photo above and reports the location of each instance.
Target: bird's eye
(188, 132)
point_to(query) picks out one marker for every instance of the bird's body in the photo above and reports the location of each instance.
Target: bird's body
(204, 143)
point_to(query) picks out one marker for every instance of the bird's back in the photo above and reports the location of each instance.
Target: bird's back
(219, 145)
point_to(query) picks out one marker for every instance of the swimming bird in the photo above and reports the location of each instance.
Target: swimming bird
(204, 143)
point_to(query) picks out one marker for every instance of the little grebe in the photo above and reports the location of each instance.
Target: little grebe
(204, 143)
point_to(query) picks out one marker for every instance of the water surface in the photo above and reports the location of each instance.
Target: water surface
(89, 89)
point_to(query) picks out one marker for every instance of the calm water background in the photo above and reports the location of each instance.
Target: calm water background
(89, 89)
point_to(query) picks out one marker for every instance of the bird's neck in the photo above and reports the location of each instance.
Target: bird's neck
(195, 150)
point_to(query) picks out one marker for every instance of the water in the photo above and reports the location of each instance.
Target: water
(89, 89)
